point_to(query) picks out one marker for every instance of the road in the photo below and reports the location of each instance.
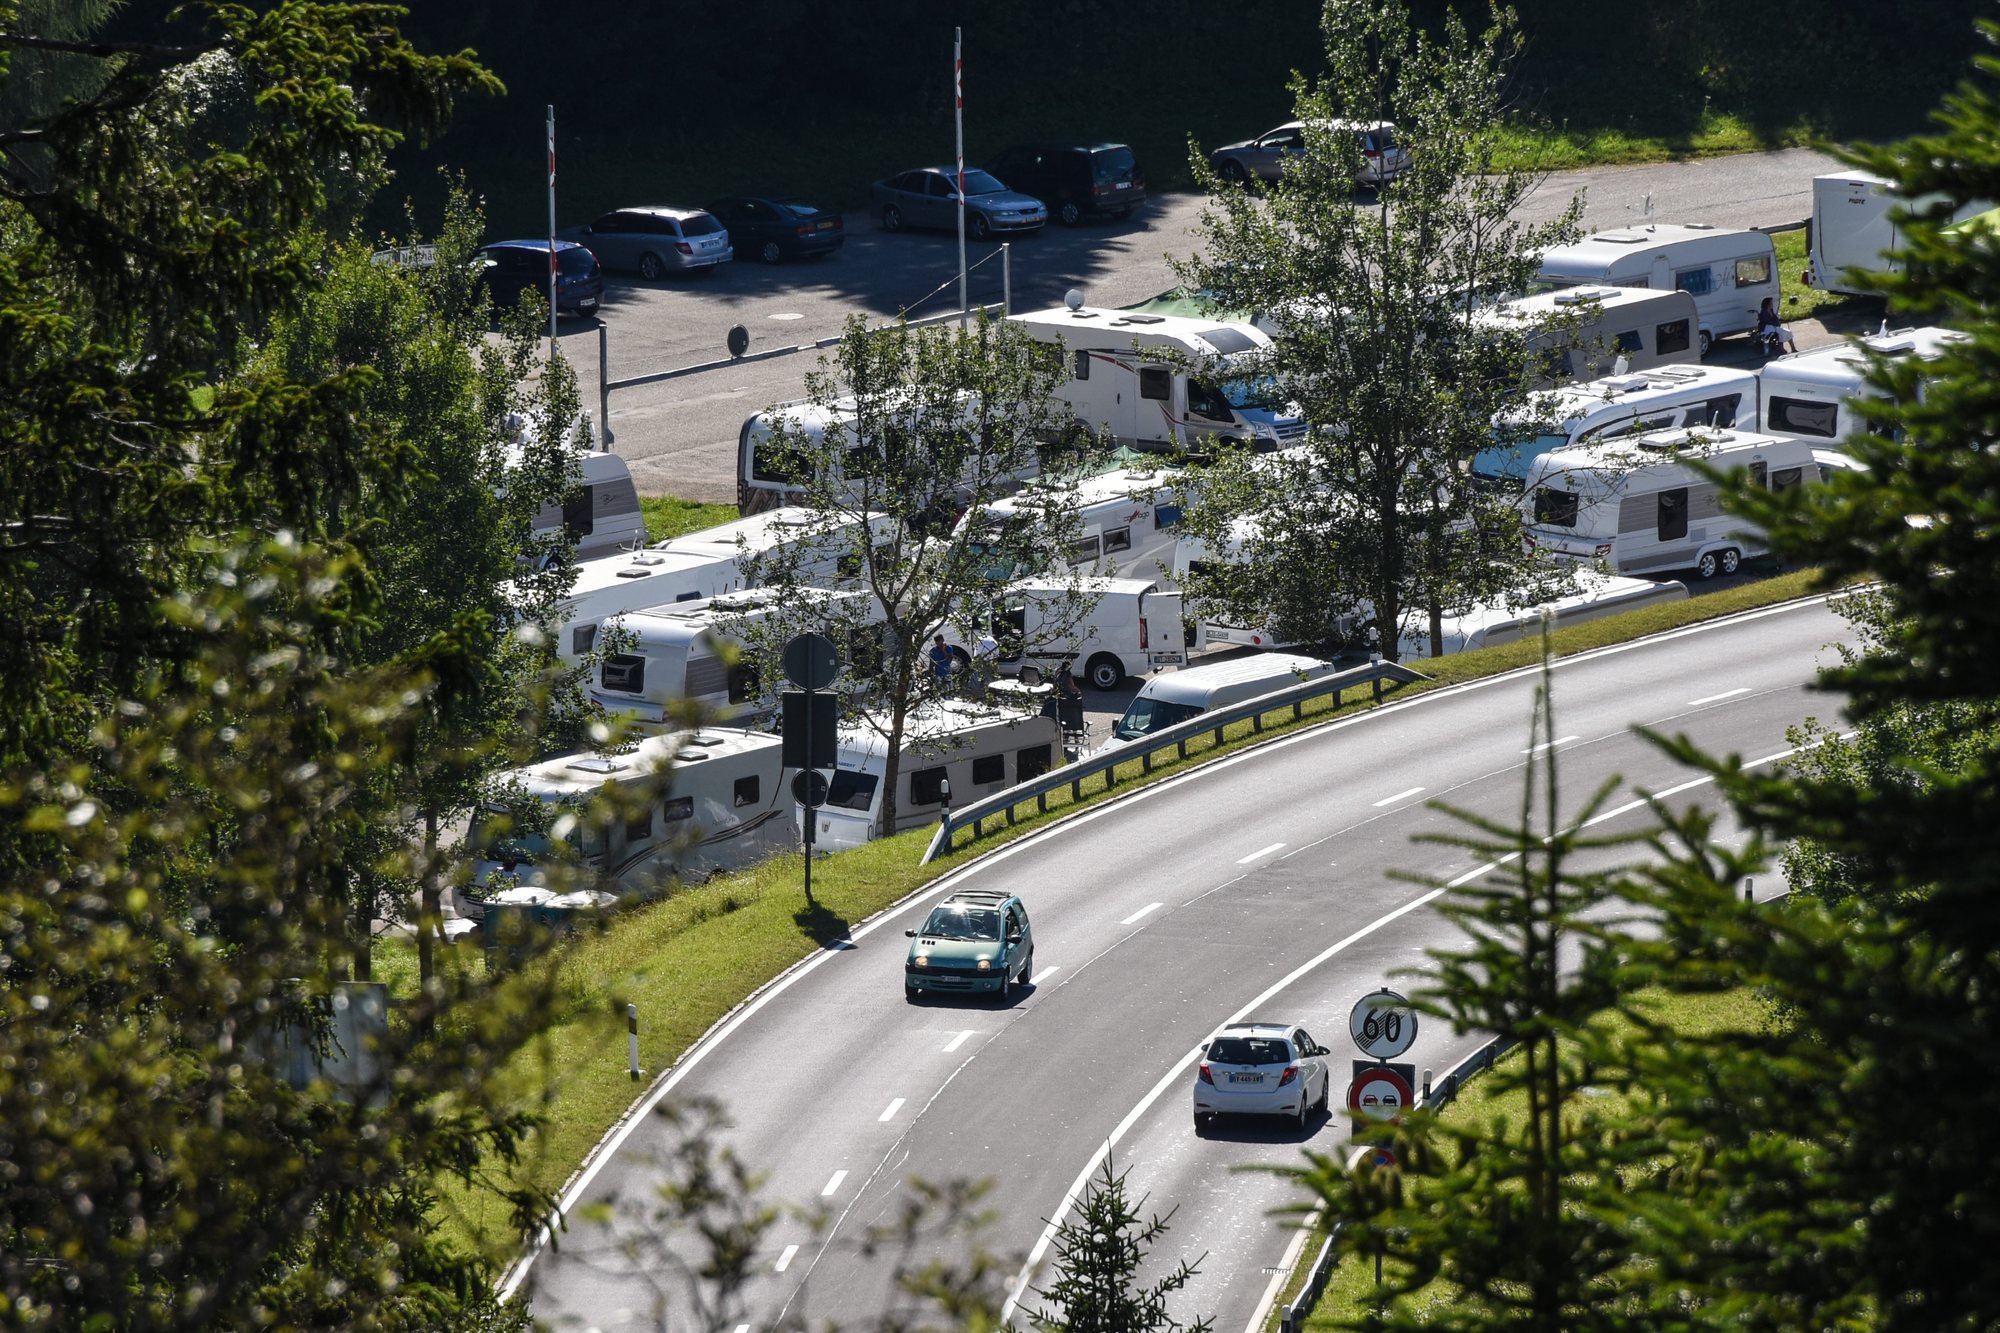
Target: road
(680, 436)
(1256, 887)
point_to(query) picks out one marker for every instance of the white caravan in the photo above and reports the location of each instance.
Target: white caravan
(1727, 272)
(1131, 628)
(953, 750)
(1638, 505)
(1583, 333)
(1605, 409)
(1127, 522)
(1191, 554)
(1808, 395)
(1851, 230)
(1176, 696)
(1119, 385)
(683, 653)
(724, 805)
(1500, 621)
(603, 516)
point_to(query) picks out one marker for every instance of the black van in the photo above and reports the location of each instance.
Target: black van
(1074, 180)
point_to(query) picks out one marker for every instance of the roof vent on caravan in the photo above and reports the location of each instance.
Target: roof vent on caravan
(1623, 236)
(1628, 384)
(1578, 295)
(689, 756)
(597, 763)
(1699, 226)
(1140, 319)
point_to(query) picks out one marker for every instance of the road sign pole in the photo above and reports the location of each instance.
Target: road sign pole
(812, 813)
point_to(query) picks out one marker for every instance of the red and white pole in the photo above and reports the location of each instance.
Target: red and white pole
(552, 233)
(958, 116)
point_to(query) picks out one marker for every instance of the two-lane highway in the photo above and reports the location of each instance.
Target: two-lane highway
(1257, 887)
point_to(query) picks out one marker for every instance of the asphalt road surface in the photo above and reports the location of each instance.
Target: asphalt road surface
(680, 436)
(1257, 887)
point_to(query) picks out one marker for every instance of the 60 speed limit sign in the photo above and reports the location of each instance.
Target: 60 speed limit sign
(1383, 1025)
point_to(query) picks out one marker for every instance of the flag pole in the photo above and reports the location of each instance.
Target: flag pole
(552, 232)
(958, 114)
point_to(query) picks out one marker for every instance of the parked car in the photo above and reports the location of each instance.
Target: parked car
(1074, 181)
(975, 940)
(1267, 155)
(1261, 1069)
(654, 242)
(928, 197)
(779, 226)
(509, 268)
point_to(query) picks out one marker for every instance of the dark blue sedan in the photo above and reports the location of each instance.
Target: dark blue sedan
(779, 226)
(509, 268)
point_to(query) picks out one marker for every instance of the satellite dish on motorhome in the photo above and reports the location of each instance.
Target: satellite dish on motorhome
(1073, 299)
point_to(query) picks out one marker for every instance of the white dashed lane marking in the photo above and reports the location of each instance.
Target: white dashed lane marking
(785, 1259)
(1548, 745)
(1718, 698)
(1261, 852)
(890, 1114)
(833, 1184)
(1149, 907)
(1399, 796)
(957, 1041)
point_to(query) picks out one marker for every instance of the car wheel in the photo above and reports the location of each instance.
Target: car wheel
(1731, 560)
(1707, 341)
(1028, 967)
(1235, 172)
(911, 993)
(1031, 675)
(892, 218)
(1704, 568)
(1069, 214)
(981, 229)
(1201, 1126)
(1122, 214)
(650, 267)
(1006, 992)
(772, 254)
(1305, 1115)
(1105, 672)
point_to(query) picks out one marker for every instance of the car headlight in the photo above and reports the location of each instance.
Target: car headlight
(984, 965)
(921, 960)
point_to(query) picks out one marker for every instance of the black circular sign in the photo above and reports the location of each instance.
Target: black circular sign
(739, 340)
(809, 788)
(810, 661)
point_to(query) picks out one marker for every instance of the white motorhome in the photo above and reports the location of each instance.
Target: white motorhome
(696, 652)
(1501, 621)
(1851, 230)
(1127, 522)
(952, 750)
(724, 804)
(1808, 395)
(1605, 409)
(1176, 696)
(1131, 627)
(1728, 272)
(1584, 333)
(1119, 385)
(1638, 504)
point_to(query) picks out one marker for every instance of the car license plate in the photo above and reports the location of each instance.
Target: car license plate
(1246, 1078)
(826, 224)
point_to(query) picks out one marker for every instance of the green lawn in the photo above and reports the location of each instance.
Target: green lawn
(667, 516)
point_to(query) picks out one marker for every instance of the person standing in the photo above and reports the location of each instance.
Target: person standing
(1769, 325)
(940, 655)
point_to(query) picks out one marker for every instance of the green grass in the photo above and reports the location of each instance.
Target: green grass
(1802, 302)
(1605, 145)
(668, 516)
(687, 961)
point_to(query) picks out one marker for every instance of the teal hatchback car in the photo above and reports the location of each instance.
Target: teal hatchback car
(975, 941)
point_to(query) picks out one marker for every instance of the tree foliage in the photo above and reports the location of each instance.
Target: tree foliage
(1101, 1247)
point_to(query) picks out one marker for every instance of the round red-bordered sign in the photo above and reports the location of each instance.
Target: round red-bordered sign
(1380, 1094)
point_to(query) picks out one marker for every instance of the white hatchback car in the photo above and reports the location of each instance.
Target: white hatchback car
(1261, 1069)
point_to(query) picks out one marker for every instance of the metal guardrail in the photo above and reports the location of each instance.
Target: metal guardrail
(1002, 804)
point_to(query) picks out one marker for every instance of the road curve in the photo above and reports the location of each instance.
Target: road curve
(1254, 887)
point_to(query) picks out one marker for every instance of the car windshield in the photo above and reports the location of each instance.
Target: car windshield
(1250, 1051)
(797, 206)
(1260, 391)
(496, 846)
(1149, 715)
(961, 923)
(577, 260)
(701, 224)
(1510, 453)
(978, 182)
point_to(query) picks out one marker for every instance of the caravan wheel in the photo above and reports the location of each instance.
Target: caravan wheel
(1731, 559)
(1704, 568)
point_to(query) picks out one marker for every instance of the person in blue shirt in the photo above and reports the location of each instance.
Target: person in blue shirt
(940, 656)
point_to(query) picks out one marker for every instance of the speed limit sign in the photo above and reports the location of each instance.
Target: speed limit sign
(1383, 1025)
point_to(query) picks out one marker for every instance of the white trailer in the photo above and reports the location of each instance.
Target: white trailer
(953, 750)
(1127, 522)
(1501, 620)
(1728, 272)
(1852, 231)
(1810, 395)
(1583, 333)
(602, 517)
(1122, 385)
(1605, 409)
(713, 800)
(1131, 628)
(1639, 506)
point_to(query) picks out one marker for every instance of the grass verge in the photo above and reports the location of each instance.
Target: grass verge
(668, 516)
(1716, 134)
(688, 961)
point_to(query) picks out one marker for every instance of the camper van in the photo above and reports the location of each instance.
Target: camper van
(1851, 230)
(1118, 386)
(953, 751)
(683, 652)
(1130, 628)
(1807, 394)
(1638, 505)
(1727, 272)
(1499, 621)
(724, 805)
(1584, 333)
(1605, 409)
(1127, 521)
(1177, 696)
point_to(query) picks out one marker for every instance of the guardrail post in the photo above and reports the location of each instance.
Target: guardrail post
(1076, 789)
(1375, 660)
(1749, 895)
(1042, 802)
(603, 384)
(1180, 748)
(1146, 762)
(1427, 1085)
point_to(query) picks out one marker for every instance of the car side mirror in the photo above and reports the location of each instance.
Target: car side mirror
(1015, 938)
(911, 934)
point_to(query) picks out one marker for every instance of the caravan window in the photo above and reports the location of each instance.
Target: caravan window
(1031, 762)
(767, 461)
(580, 512)
(1166, 515)
(1082, 365)
(1671, 336)
(1555, 509)
(679, 807)
(641, 826)
(583, 639)
(706, 675)
(1630, 341)
(748, 791)
(1799, 416)
(1156, 383)
(989, 768)
(1083, 552)
(1715, 412)
(1759, 472)
(624, 672)
(743, 680)
(1117, 539)
(1753, 272)
(851, 790)
(1674, 514)
(1695, 281)
(1784, 479)
(927, 786)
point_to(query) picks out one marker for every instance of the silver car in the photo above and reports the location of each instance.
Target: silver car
(654, 242)
(928, 197)
(1268, 1069)
(1267, 155)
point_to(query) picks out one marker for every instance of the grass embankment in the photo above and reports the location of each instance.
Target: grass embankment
(688, 961)
(1715, 135)
(1349, 1292)
(667, 516)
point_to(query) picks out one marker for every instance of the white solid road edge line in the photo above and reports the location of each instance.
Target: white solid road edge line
(1399, 796)
(1261, 852)
(1286, 1266)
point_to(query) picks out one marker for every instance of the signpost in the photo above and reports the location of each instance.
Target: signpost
(1382, 1024)
(1382, 1092)
(808, 727)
